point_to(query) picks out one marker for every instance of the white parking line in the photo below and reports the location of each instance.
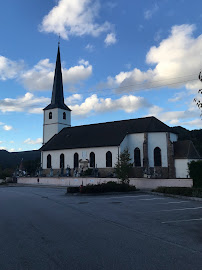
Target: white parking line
(174, 202)
(135, 196)
(180, 209)
(183, 220)
(152, 199)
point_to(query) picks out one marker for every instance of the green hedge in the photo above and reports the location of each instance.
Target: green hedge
(195, 172)
(100, 188)
(183, 191)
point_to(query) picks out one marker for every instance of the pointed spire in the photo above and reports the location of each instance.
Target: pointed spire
(57, 93)
(57, 100)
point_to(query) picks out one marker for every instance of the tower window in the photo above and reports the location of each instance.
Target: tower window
(49, 161)
(157, 156)
(64, 115)
(92, 159)
(50, 115)
(108, 159)
(137, 160)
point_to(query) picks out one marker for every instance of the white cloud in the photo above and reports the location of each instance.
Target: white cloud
(40, 77)
(189, 117)
(110, 39)
(73, 99)
(27, 103)
(12, 150)
(3, 148)
(176, 60)
(89, 47)
(150, 12)
(37, 141)
(93, 104)
(11, 141)
(9, 69)
(1, 142)
(7, 128)
(74, 18)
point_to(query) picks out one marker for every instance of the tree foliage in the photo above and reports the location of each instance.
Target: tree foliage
(123, 166)
(195, 172)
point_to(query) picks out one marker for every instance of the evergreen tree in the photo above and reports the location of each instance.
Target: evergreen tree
(123, 166)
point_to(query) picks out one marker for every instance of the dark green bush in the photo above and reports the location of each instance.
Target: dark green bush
(195, 172)
(88, 172)
(108, 187)
(183, 191)
(73, 189)
(100, 188)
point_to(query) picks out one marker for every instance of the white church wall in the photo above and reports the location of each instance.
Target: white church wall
(56, 124)
(181, 167)
(157, 139)
(84, 153)
(173, 137)
(131, 141)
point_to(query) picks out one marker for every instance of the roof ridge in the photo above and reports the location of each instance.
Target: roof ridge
(117, 121)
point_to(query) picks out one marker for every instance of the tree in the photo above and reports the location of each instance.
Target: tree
(123, 166)
(198, 100)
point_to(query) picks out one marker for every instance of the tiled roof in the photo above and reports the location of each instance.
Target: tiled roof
(185, 149)
(103, 134)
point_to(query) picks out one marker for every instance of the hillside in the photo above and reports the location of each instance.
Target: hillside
(13, 159)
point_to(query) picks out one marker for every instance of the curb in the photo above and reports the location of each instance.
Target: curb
(175, 196)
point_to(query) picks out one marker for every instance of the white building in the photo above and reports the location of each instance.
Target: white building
(153, 146)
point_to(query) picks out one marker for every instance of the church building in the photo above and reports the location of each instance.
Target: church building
(153, 146)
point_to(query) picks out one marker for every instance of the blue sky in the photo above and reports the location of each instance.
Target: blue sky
(121, 60)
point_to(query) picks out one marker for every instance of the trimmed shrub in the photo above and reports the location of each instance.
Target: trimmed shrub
(183, 191)
(195, 172)
(72, 189)
(108, 187)
(101, 188)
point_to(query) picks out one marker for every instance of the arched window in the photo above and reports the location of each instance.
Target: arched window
(50, 115)
(76, 160)
(49, 161)
(92, 160)
(137, 160)
(64, 115)
(157, 156)
(108, 159)
(62, 161)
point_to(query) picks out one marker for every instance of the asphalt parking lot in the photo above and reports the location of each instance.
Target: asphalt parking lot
(42, 228)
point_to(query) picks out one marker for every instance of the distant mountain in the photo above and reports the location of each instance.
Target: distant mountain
(13, 159)
(194, 135)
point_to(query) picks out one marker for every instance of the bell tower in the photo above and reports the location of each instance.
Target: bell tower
(56, 115)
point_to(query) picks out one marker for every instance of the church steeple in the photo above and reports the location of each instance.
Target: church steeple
(57, 100)
(56, 115)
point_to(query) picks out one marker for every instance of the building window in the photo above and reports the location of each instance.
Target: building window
(64, 115)
(108, 159)
(50, 115)
(76, 160)
(62, 161)
(157, 156)
(137, 160)
(49, 161)
(92, 160)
